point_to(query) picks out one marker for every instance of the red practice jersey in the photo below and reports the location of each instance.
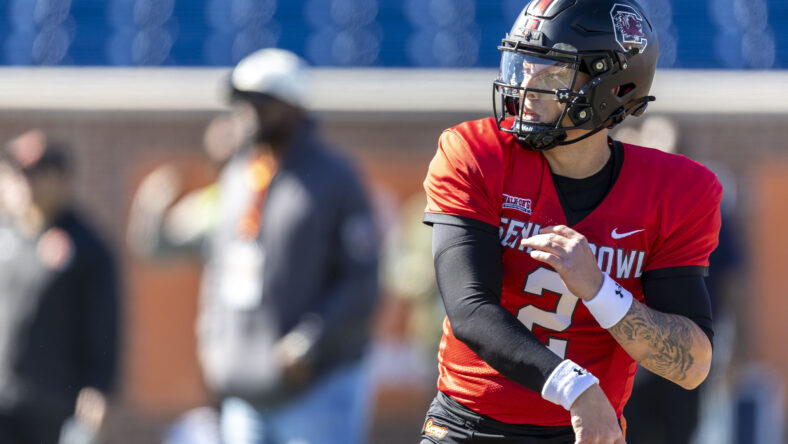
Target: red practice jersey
(662, 212)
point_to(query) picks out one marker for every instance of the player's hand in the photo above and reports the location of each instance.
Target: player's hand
(291, 353)
(158, 190)
(91, 408)
(568, 252)
(594, 420)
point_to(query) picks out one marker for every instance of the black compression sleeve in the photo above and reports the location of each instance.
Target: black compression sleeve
(470, 274)
(682, 295)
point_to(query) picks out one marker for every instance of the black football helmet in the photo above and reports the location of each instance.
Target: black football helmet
(611, 42)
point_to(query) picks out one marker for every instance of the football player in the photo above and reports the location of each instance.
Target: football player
(565, 258)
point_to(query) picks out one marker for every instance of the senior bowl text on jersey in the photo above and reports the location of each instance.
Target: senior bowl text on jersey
(620, 263)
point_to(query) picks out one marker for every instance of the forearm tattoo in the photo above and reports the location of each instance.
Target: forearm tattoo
(669, 340)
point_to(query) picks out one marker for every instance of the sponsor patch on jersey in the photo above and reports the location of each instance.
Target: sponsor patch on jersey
(434, 430)
(628, 26)
(522, 204)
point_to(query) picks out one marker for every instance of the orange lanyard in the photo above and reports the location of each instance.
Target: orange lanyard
(257, 176)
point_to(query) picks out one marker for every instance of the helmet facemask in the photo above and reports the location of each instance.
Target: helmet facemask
(539, 96)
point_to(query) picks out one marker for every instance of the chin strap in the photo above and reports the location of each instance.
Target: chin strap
(542, 141)
(636, 108)
(550, 137)
(586, 135)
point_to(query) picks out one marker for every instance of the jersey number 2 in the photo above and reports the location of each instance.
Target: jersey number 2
(560, 318)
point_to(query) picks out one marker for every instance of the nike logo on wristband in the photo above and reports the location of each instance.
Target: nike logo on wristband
(616, 235)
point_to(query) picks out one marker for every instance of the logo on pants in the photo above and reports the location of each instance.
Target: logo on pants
(434, 430)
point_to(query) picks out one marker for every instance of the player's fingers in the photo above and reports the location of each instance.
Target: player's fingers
(614, 437)
(551, 243)
(611, 436)
(548, 258)
(562, 230)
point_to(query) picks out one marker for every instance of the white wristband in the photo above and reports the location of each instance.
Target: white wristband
(610, 304)
(566, 383)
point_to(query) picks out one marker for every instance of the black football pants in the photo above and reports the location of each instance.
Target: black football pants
(449, 422)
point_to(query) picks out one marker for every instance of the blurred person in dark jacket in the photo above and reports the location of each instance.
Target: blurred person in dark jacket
(58, 302)
(290, 276)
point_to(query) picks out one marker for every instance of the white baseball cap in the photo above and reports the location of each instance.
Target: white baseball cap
(275, 72)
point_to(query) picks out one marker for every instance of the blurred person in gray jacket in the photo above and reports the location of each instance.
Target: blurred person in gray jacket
(58, 302)
(290, 276)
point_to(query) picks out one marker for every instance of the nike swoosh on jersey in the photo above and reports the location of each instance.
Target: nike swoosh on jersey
(616, 235)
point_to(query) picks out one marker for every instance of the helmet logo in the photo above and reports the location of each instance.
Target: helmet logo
(628, 25)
